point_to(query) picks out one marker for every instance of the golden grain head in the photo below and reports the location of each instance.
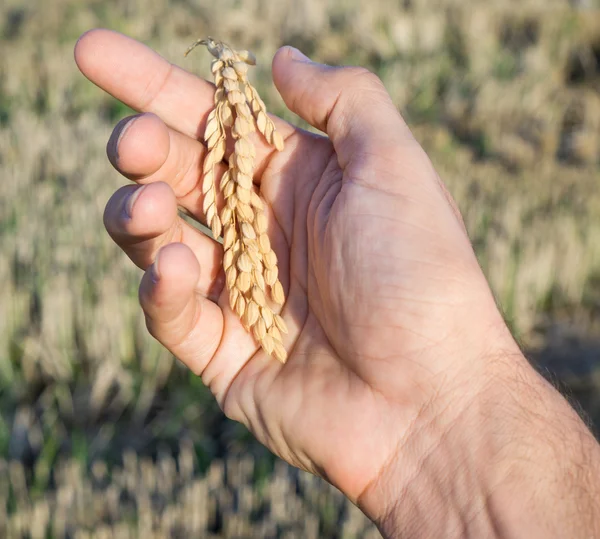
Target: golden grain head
(249, 261)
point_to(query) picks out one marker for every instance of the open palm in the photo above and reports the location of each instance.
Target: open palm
(383, 289)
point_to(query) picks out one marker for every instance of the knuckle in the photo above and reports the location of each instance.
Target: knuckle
(363, 77)
(230, 407)
(197, 369)
(151, 327)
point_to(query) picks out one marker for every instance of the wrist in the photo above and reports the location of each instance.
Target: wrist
(437, 483)
(496, 462)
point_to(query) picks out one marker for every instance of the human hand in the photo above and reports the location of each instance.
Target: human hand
(394, 335)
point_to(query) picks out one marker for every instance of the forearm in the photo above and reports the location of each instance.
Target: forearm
(548, 481)
(514, 461)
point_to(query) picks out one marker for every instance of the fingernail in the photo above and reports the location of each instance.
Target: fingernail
(154, 274)
(112, 148)
(131, 199)
(299, 56)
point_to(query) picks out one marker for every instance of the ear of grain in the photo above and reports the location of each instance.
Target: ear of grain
(249, 261)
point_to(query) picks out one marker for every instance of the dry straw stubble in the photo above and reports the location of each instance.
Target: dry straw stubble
(249, 261)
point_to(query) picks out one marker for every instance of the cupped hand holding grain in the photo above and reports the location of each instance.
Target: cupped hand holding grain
(403, 387)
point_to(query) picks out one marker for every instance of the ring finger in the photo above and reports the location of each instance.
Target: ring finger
(142, 219)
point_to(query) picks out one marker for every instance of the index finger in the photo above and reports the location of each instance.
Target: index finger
(147, 82)
(144, 80)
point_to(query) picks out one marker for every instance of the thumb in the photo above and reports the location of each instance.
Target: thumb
(350, 104)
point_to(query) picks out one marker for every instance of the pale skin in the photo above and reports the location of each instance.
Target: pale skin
(403, 387)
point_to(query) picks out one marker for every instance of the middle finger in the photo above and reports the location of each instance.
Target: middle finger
(145, 150)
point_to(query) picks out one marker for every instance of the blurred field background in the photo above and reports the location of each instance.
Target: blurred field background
(102, 433)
